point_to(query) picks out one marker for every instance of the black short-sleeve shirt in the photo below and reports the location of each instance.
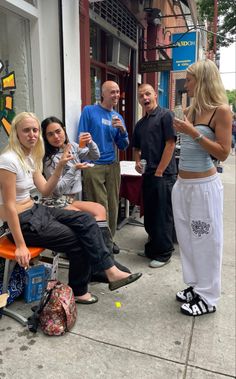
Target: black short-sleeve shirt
(150, 136)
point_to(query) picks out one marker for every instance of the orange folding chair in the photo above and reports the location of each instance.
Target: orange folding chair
(7, 251)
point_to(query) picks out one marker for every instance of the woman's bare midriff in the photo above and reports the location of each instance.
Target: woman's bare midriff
(20, 207)
(196, 175)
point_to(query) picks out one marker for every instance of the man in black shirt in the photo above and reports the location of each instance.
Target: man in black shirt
(154, 140)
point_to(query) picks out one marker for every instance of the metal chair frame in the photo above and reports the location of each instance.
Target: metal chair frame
(7, 251)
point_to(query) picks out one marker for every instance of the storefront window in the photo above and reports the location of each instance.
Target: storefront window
(95, 75)
(95, 42)
(15, 70)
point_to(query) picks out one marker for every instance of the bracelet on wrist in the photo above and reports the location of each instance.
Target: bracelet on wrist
(198, 138)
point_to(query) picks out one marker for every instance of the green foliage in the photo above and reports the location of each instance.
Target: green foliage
(232, 98)
(226, 15)
(206, 9)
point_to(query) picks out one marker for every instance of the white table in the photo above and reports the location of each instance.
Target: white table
(130, 176)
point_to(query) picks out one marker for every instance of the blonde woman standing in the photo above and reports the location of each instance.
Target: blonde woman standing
(197, 196)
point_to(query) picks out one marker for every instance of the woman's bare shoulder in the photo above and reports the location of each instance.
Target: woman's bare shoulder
(224, 108)
(223, 114)
(223, 118)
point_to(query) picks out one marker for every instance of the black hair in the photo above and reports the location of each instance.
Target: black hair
(50, 150)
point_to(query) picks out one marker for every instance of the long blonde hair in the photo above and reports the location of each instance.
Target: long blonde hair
(14, 144)
(209, 91)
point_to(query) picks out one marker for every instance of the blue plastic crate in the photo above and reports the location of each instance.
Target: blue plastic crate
(35, 281)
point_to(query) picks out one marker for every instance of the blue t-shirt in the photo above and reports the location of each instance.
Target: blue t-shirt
(98, 122)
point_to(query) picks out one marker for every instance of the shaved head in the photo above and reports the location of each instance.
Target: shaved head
(108, 85)
(147, 97)
(110, 94)
(145, 86)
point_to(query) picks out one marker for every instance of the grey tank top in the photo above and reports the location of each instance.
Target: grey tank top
(193, 157)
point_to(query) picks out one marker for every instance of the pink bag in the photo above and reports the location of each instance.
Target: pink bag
(58, 310)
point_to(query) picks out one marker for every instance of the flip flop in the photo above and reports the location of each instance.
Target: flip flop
(124, 282)
(93, 299)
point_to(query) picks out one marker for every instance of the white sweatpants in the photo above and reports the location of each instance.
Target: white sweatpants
(198, 216)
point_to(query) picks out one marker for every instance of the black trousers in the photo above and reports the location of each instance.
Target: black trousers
(158, 216)
(73, 232)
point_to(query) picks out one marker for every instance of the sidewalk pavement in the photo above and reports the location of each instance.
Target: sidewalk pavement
(136, 332)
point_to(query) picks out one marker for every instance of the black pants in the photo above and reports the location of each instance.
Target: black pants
(73, 232)
(158, 216)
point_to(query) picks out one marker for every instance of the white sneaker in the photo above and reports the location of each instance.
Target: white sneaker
(157, 264)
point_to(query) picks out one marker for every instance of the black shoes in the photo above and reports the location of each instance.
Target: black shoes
(197, 307)
(185, 296)
(193, 305)
(116, 248)
(92, 300)
(124, 282)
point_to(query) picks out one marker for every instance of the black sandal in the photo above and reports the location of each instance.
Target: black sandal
(197, 307)
(185, 296)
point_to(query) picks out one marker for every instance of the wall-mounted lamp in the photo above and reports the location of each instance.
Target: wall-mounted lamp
(156, 21)
(154, 15)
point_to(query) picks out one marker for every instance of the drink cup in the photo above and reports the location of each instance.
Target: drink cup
(178, 112)
(82, 141)
(143, 164)
(115, 118)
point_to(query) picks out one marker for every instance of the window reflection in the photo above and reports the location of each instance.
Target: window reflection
(15, 69)
(95, 75)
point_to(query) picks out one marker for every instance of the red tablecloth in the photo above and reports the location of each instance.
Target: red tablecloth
(131, 189)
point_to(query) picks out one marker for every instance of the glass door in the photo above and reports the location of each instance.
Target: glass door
(16, 83)
(95, 79)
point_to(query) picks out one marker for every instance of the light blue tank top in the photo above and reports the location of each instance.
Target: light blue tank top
(192, 155)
